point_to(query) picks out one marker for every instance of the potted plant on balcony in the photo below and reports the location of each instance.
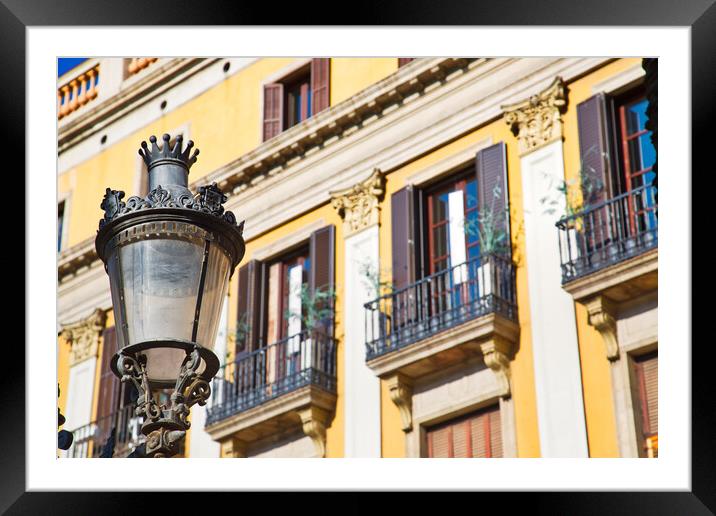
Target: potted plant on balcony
(316, 318)
(376, 288)
(490, 227)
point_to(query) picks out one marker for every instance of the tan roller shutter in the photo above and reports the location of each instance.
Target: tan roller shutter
(478, 434)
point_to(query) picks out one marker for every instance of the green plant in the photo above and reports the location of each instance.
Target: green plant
(578, 192)
(371, 278)
(490, 226)
(240, 335)
(316, 306)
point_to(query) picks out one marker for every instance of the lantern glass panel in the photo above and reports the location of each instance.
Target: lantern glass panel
(216, 283)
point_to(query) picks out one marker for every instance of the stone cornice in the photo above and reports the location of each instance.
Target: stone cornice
(73, 259)
(158, 78)
(335, 123)
(537, 121)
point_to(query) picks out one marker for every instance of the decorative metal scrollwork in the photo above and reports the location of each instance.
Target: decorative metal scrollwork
(210, 199)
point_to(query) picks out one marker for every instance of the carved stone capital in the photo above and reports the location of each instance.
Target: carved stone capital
(315, 420)
(233, 448)
(497, 352)
(400, 388)
(83, 336)
(600, 311)
(537, 120)
(359, 204)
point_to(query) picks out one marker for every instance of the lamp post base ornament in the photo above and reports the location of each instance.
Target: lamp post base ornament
(165, 426)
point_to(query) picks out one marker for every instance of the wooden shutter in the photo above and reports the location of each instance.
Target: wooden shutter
(108, 398)
(476, 435)
(597, 148)
(406, 228)
(320, 84)
(251, 311)
(273, 110)
(492, 192)
(404, 60)
(647, 372)
(322, 254)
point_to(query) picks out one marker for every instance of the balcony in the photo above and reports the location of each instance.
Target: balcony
(88, 440)
(443, 319)
(611, 247)
(288, 384)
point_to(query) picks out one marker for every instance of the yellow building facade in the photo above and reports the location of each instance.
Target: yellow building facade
(444, 257)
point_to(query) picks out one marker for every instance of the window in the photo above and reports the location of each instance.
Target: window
(60, 224)
(475, 435)
(453, 222)
(287, 286)
(296, 97)
(272, 294)
(616, 152)
(452, 213)
(646, 388)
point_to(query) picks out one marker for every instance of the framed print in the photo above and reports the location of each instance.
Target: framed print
(404, 250)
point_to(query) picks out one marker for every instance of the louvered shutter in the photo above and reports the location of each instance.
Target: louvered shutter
(250, 310)
(475, 435)
(322, 253)
(404, 60)
(493, 199)
(320, 84)
(273, 110)
(406, 233)
(108, 388)
(597, 148)
(647, 373)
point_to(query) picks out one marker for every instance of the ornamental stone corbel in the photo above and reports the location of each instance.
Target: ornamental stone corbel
(233, 448)
(358, 205)
(400, 388)
(537, 121)
(600, 311)
(497, 352)
(315, 420)
(83, 336)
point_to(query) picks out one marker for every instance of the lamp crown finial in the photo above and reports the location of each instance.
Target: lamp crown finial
(168, 153)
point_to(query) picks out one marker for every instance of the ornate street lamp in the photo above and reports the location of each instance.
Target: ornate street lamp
(169, 257)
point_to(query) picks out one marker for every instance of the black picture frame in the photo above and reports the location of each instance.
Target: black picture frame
(699, 15)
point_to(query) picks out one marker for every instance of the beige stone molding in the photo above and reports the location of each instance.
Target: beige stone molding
(622, 281)
(446, 348)
(314, 420)
(601, 314)
(537, 120)
(73, 259)
(83, 336)
(400, 388)
(310, 407)
(359, 205)
(233, 448)
(497, 353)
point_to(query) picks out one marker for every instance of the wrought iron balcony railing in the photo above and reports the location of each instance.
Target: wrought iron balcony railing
(440, 301)
(608, 233)
(88, 440)
(307, 358)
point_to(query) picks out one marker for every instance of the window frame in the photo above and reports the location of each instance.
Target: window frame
(458, 180)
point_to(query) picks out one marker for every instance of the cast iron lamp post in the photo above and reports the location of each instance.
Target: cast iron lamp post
(169, 257)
